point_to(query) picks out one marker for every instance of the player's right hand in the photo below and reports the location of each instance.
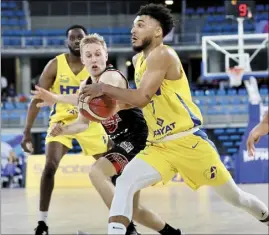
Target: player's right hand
(48, 97)
(26, 143)
(251, 141)
(56, 130)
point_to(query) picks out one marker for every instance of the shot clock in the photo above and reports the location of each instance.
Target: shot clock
(240, 8)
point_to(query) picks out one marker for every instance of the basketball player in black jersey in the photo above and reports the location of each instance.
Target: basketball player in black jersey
(127, 129)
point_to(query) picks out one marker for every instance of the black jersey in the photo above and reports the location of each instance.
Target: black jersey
(127, 124)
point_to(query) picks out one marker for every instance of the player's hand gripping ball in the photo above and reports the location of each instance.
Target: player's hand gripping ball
(97, 109)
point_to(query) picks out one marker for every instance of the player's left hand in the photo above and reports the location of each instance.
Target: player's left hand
(92, 90)
(251, 141)
(56, 130)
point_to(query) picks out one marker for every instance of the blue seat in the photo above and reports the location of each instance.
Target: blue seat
(219, 18)
(235, 101)
(19, 13)
(207, 28)
(241, 130)
(4, 115)
(232, 150)
(211, 10)
(200, 11)
(218, 131)
(235, 137)
(223, 137)
(189, 11)
(198, 93)
(20, 105)
(6, 42)
(11, 4)
(231, 92)
(9, 106)
(221, 92)
(220, 9)
(237, 143)
(242, 92)
(224, 101)
(231, 130)
(211, 102)
(227, 144)
(210, 92)
(260, 8)
(264, 91)
(4, 5)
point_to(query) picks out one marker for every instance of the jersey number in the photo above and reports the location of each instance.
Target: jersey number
(153, 107)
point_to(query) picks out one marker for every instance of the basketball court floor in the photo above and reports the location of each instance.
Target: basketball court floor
(72, 209)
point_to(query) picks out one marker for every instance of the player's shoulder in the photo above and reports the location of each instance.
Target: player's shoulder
(112, 74)
(160, 54)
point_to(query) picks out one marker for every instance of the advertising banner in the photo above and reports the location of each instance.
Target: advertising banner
(253, 169)
(72, 172)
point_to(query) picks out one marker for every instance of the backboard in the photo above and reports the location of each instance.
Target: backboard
(248, 51)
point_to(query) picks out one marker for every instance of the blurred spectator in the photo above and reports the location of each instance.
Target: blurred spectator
(11, 92)
(3, 88)
(3, 83)
(11, 170)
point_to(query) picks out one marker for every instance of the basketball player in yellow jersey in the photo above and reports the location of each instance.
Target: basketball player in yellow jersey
(176, 144)
(62, 75)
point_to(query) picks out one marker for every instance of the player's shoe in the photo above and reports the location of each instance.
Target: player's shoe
(131, 230)
(42, 228)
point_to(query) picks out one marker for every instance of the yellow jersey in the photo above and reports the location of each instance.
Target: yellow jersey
(66, 82)
(171, 110)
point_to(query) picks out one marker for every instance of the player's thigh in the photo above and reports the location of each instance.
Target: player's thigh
(103, 165)
(201, 165)
(157, 156)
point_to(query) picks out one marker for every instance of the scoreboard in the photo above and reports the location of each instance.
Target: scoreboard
(240, 8)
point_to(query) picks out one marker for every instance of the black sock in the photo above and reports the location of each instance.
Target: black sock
(266, 220)
(168, 230)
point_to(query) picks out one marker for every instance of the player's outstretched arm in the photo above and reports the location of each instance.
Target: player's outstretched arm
(80, 125)
(46, 81)
(50, 98)
(157, 65)
(258, 131)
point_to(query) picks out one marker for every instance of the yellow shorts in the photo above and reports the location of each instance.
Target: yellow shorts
(194, 157)
(92, 141)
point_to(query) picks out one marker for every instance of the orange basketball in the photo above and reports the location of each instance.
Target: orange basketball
(97, 109)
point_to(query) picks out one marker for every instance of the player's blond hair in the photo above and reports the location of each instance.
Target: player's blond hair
(93, 38)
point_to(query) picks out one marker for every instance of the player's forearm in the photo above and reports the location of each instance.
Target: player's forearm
(31, 114)
(128, 96)
(260, 130)
(75, 128)
(68, 99)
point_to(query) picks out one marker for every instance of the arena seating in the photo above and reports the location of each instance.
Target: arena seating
(200, 21)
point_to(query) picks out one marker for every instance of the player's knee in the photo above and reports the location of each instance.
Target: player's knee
(125, 186)
(50, 169)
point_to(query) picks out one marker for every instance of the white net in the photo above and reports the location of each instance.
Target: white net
(236, 75)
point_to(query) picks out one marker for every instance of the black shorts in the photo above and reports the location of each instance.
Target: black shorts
(122, 153)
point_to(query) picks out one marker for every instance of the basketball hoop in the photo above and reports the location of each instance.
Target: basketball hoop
(236, 75)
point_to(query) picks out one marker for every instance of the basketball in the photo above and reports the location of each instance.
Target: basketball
(97, 109)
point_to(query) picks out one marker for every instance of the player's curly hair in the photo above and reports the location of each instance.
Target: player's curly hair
(76, 26)
(160, 13)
